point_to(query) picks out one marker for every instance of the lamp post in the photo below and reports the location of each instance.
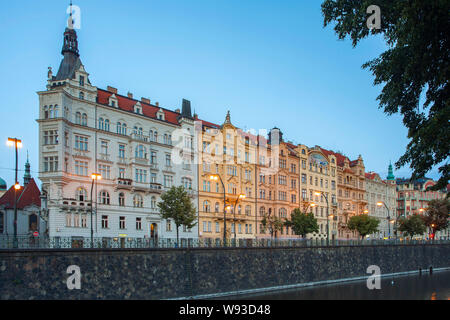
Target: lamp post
(328, 214)
(380, 203)
(216, 177)
(94, 176)
(16, 143)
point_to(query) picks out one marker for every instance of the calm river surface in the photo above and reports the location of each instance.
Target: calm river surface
(413, 287)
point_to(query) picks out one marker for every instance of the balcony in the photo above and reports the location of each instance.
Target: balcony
(123, 183)
(104, 157)
(71, 205)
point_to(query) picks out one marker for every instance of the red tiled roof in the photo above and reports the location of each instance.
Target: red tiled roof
(26, 196)
(339, 157)
(127, 104)
(370, 175)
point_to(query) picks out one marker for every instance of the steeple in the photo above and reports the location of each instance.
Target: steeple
(228, 118)
(71, 61)
(27, 175)
(186, 109)
(390, 172)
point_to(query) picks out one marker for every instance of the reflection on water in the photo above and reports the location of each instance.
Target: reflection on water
(413, 287)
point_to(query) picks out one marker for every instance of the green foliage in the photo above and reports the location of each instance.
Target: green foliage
(437, 214)
(302, 223)
(414, 71)
(177, 205)
(412, 225)
(364, 224)
(272, 223)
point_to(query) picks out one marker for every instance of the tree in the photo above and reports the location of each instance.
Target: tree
(437, 214)
(272, 223)
(364, 224)
(302, 223)
(414, 70)
(176, 205)
(412, 225)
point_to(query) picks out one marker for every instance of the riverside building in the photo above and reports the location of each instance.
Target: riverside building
(139, 148)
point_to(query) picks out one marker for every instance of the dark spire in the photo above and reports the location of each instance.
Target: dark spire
(390, 172)
(27, 175)
(186, 109)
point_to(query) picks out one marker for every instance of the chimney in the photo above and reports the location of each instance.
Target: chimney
(157, 103)
(177, 110)
(111, 89)
(145, 100)
(130, 95)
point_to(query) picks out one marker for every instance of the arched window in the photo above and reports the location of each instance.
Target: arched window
(55, 111)
(262, 211)
(32, 222)
(151, 135)
(239, 209)
(106, 125)
(121, 199)
(101, 123)
(50, 112)
(187, 183)
(84, 119)
(104, 197)
(45, 112)
(78, 118)
(216, 207)
(140, 132)
(119, 128)
(124, 128)
(137, 201)
(248, 210)
(153, 202)
(165, 139)
(81, 194)
(155, 136)
(206, 206)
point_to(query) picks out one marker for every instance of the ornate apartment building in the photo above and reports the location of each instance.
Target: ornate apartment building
(379, 190)
(139, 148)
(350, 192)
(226, 180)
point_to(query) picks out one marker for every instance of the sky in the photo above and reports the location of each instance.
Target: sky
(271, 63)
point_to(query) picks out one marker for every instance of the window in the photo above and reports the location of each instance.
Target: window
(187, 183)
(168, 181)
(121, 222)
(138, 223)
(81, 168)
(78, 118)
(81, 81)
(2, 222)
(104, 171)
(81, 95)
(104, 147)
(138, 202)
(141, 152)
(122, 173)
(141, 175)
(68, 219)
(262, 211)
(50, 164)
(168, 225)
(50, 137)
(84, 119)
(216, 207)
(121, 199)
(121, 151)
(206, 206)
(81, 143)
(248, 211)
(104, 197)
(104, 222)
(153, 157)
(153, 203)
(168, 160)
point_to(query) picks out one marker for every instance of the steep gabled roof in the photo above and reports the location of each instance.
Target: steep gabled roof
(26, 196)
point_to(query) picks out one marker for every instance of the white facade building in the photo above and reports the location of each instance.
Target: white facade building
(379, 190)
(139, 148)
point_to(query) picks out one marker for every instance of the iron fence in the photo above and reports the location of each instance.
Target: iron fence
(30, 242)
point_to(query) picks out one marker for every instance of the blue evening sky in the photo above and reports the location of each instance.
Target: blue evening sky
(271, 63)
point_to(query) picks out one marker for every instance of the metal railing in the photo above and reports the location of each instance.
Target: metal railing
(30, 242)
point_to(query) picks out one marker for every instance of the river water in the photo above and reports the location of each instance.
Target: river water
(435, 286)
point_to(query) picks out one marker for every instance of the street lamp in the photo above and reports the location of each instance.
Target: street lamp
(381, 203)
(216, 177)
(328, 214)
(16, 143)
(94, 176)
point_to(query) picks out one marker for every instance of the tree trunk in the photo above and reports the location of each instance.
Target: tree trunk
(177, 234)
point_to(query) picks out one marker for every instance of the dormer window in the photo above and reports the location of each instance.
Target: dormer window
(138, 108)
(113, 101)
(160, 115)
(81, 81)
